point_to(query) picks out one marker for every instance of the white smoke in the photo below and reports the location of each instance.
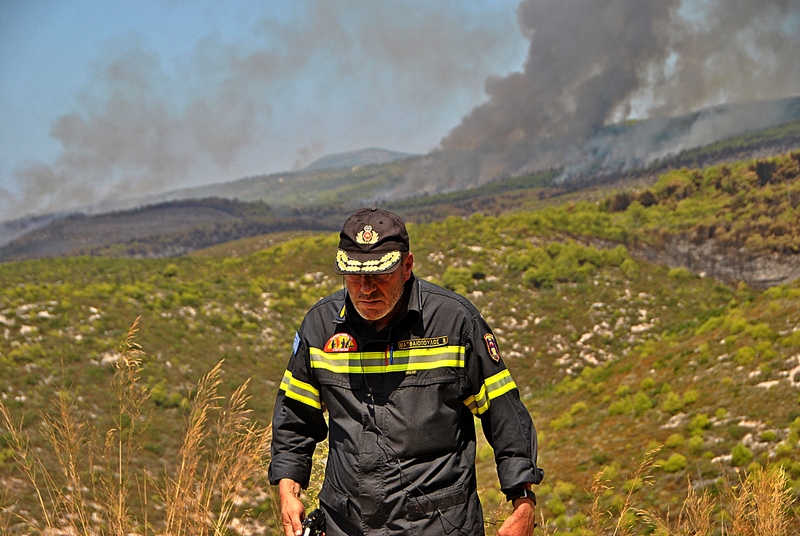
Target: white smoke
(146, 123)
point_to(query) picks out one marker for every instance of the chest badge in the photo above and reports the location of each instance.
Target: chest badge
(341, 342)
(491, 346)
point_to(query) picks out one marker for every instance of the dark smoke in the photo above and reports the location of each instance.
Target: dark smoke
(592, 63)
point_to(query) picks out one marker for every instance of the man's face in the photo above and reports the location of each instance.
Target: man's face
(376, 296)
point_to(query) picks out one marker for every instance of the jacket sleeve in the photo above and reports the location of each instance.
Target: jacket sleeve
(494, 399)
(297, 421)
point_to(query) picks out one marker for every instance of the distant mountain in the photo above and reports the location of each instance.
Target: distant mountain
(320, 197)
(362, 157)
(162, 230)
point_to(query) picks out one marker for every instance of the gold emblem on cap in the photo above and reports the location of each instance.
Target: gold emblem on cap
(367, 235)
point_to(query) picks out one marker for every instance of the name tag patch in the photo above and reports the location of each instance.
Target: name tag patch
(422, 343)
(341, 342)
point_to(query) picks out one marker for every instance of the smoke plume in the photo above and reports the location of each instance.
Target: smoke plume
(593, 63)
(338, 70)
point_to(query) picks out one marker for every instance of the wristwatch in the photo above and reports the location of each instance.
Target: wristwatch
(519, 493)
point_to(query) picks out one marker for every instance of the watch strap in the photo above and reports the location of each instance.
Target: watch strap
(519, 493)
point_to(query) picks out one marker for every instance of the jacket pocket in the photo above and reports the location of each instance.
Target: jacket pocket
(338, 502)
(425, 506)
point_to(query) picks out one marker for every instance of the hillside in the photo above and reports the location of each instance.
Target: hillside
(164, 230)
(351, 159)
(319, 199)
(614, 355)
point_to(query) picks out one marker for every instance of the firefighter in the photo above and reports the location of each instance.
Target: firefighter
(402, 367)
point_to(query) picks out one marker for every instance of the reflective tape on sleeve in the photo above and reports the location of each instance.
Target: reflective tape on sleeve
(300, 391)
(492, 387)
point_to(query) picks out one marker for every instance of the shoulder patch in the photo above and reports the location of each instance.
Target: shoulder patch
(423, 343)
(341, 342)
(491, 346)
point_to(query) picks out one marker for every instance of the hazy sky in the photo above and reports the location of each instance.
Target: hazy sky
(153, 95)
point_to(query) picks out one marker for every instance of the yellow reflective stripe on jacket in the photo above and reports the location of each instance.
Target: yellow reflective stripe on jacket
(300, 391)
(394, 361)
(492, 387)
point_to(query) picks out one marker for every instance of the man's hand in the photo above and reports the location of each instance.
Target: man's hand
(522, 521)
(292, 509)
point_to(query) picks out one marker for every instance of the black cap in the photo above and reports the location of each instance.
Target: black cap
(371, 242)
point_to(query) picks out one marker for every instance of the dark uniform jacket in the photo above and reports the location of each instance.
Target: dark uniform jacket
(400, 406)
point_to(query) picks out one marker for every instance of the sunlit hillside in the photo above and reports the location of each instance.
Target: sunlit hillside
(614, 356)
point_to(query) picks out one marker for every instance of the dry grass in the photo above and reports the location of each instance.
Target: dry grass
(759, 505)
(694, 519)
(100, 478)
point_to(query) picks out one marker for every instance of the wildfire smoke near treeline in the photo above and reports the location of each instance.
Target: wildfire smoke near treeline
(453, 82)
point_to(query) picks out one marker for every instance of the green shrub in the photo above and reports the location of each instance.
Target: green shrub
(783, 449)
(760, 331)
(616, 256)
(680, 274)
(641, 402)
(578, 407)
(744, 355)
(170, 270)
(555, 506)
(672, 403)
(621, 407)
(457, 279)
(675, 441)
(623, 390)
(699, 423)
(792, 340)
(768, 436)
(478, 270)
(695, 445)
(675, 463)
(712, 323)
(564, 490)
(564, 420)
(539, 277)
(630, 268)
(741, 455)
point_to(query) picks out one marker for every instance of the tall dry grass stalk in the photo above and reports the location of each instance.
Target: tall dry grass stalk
(123, 441)
(757, 506)
(626, 520)
(98, 475)
(694, 518)
(599, 519)
(760, 504)
(201, 498)
(598, 516)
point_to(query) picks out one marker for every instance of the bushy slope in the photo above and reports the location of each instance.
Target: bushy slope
(613, 355)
